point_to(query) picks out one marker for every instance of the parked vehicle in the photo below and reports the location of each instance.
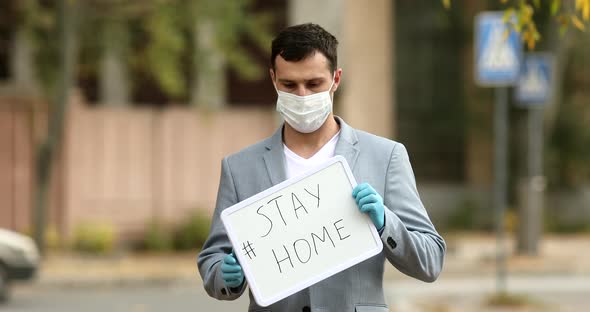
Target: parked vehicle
(19, 260)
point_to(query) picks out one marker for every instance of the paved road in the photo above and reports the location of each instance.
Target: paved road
(178, 297)
(546, 293)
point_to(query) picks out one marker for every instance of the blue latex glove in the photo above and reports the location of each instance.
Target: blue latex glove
(370, 202)
(231, 271)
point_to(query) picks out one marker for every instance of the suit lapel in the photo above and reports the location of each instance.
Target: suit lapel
(347, 143)
(274, 158)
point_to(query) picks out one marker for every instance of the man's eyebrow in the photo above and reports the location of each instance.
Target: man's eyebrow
(315, 79)
(283, 80)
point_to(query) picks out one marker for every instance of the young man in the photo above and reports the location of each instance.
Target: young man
(305, 74)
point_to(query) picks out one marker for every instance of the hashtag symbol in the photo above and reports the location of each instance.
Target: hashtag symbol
(247, 248)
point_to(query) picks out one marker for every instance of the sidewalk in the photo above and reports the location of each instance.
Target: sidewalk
(473, 254)
(557, 255)
(557, 280)
(467, 256)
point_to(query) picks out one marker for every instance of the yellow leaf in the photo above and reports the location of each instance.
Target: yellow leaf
(586, 10)
(508, 14)
(526, 36)
(562, 20)
(531, 43)
(518, 26)
(555, 5)
(528, 11)
(506, 34)
(536, 35)
(446, 4)
(578, 23)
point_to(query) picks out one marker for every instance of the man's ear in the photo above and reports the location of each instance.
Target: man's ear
(272, 74)
(337, 79)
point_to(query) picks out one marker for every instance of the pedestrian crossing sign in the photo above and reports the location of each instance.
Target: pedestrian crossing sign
(498, 51)
(534, 84)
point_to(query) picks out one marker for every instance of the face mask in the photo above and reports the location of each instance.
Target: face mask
(306, 113)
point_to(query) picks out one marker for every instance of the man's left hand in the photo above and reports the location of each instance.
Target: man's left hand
(370, 202)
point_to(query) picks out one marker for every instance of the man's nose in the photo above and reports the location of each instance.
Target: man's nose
(302, 91)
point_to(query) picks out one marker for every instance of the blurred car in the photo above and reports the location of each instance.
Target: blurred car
(19, 260)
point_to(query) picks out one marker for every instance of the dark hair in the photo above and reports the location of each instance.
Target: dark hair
(297, 42)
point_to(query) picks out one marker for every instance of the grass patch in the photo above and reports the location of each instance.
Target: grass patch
(505, 299)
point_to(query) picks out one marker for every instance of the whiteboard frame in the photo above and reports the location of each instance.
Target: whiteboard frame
(315, 279)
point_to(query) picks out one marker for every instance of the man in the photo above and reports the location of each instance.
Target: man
(305, 74)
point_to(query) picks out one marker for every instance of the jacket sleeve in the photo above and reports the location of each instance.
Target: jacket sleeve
(410, 241)
(217, 245)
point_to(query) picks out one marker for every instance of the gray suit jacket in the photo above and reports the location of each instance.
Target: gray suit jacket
(411, 243)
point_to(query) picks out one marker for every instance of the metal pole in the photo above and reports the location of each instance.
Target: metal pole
(500, 181)
(55, 122)
(536, 181)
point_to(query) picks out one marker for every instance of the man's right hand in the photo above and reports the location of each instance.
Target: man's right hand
(231, 271)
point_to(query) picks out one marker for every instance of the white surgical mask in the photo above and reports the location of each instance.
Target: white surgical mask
(306, 113)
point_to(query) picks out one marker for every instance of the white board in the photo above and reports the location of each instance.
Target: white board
(300, 232)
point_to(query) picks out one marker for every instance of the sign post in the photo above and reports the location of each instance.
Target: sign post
(498, 53)
(533, 91)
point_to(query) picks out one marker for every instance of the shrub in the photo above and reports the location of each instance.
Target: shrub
(504, 299)
(157, 237)
(52, 238)
(563, 227)
(94, 237)
(463, 218)
(192, 233)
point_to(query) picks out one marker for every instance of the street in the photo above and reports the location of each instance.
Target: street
(542, 293)
(175, 297)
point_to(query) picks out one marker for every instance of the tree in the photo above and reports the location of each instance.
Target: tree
(157, 38)
(550, 21)
(171, 29)
(524, 11)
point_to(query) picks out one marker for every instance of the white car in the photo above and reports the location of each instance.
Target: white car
(19, 259)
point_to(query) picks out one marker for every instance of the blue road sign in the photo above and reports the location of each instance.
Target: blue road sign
(497, 56)
(535, 83)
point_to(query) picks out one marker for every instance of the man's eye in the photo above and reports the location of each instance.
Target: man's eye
(289, 85)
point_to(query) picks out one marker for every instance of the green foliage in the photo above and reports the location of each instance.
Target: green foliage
(166, 46)
(524, 12)
(157, 237)
(569, 146)
(555, 223)
(94, 237)
(39, 24)
(232, 20)
(554, 226)
(192, 233)
(52, 237)
(463, 217)
(189, 234)
(163, 30)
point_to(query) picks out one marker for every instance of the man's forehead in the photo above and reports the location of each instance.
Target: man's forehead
(311, 67)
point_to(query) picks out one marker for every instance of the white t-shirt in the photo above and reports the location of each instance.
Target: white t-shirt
(297, 164)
